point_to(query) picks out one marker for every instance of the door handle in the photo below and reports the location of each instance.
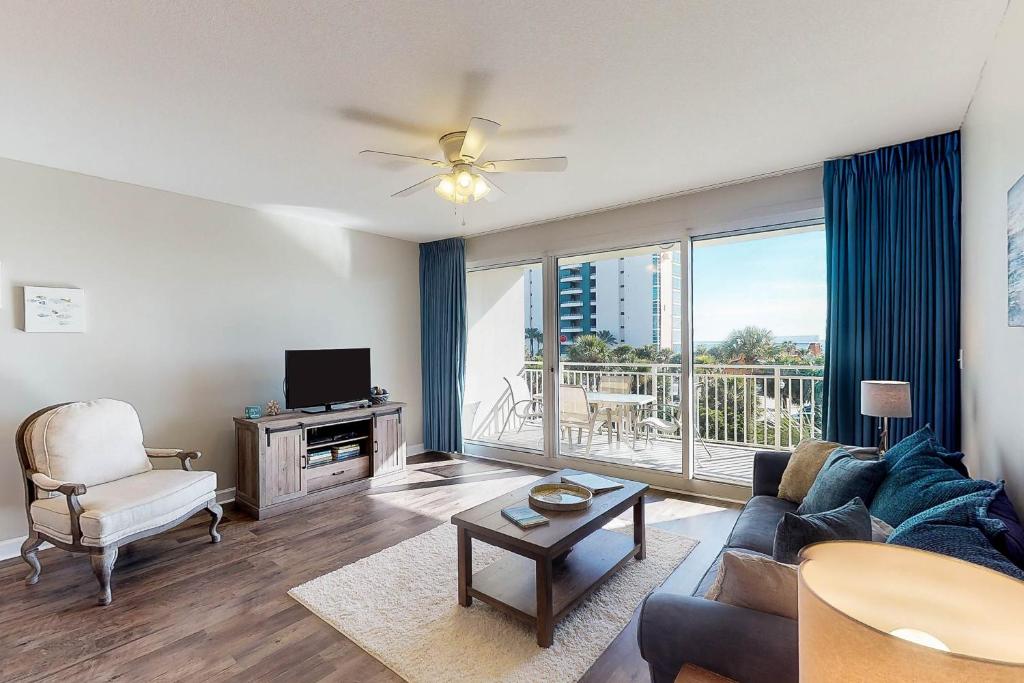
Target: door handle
(376, 444)
(303, 460)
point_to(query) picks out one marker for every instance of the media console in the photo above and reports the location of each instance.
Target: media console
(275, 473)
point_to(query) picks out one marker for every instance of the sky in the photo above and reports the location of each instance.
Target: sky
(776, 282)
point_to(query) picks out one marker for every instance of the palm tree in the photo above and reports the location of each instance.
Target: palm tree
(748, 346)
(588, 348)
(535, 337)
(607, 337)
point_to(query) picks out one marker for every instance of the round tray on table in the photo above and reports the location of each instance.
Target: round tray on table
(560, 497)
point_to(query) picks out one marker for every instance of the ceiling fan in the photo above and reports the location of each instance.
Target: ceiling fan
(466, 176)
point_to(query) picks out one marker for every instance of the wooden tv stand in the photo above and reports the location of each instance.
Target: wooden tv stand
(275, 476)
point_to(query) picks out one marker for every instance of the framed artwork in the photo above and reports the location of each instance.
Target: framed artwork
(54, 309)
(1015, 252)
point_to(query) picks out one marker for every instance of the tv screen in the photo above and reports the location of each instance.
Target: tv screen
(325, 376)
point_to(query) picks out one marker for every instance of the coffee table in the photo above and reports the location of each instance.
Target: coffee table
(530, 584)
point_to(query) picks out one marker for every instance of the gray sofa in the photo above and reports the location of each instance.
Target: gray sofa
(745, 645)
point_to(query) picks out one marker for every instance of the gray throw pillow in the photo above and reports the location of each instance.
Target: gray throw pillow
(851, 522)
(755, 581)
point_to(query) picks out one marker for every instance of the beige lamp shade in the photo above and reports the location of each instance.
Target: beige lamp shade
(853, 595)
(882, 398)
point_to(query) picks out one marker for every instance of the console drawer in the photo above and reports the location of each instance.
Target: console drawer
(324, 476)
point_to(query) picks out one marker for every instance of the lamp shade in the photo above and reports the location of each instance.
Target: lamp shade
(880, 398)
(854, 595)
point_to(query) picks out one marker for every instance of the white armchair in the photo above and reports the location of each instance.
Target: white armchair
(90, 487)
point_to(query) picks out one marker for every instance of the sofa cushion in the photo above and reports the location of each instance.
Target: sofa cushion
(757, 582)
(843, 477)
(959, 528)
(921, 479)
(851, 522)
(755, 527)
(88, 442)
(120, 508)
(803, 466)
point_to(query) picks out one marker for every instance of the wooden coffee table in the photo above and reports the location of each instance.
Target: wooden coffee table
(529, 584)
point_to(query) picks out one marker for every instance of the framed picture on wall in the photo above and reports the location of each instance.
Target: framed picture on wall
(54, 309)
(1015, 252)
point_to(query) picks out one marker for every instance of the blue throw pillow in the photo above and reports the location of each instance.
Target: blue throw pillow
(909, 443)
(924, 435)
(920, 480)
(842, 478)
(960, 528)
(851, 522)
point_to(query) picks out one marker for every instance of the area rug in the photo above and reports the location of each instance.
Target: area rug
(400, 606)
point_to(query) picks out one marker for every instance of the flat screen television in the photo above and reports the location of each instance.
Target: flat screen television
(323, 377)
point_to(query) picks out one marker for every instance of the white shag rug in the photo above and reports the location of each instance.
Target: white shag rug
(401, 606)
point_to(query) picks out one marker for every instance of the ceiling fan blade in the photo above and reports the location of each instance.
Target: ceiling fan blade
(422, 185)
(541, 165)
(495, 193)
(477, 136)
(389, 156)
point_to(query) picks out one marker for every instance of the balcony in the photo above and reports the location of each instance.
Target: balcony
(571, 291)
(571, 304)
(571, 278)
(572, 316)
(738, 409)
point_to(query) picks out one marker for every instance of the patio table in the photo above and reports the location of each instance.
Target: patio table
(621, 404)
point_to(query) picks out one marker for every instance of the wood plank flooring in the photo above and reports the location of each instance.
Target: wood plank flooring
(187, 609)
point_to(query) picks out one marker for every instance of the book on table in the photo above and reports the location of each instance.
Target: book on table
(524, 517)
(591, 482)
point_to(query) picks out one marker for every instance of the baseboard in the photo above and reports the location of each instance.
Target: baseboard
(12, 546)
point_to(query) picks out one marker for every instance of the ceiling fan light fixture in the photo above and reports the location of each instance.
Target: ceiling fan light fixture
(464, 179)
(480, 188)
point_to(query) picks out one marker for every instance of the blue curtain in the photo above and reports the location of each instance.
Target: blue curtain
(892, 232)
(443, 342)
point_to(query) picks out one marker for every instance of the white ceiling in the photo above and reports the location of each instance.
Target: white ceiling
(267, 104)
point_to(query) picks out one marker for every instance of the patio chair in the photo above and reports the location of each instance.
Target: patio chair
(658, 424)
(524, 405)
(615, 384)
(576, 412)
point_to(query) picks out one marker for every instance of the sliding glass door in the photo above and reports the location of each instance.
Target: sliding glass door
(619, 339)
(758, 311)
(503, 405)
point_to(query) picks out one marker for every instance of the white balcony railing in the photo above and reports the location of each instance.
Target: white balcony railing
(759, 406)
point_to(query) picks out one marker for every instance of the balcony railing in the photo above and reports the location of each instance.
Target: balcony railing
(758, 406)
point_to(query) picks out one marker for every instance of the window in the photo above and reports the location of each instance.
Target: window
(504, 382)
(620, 361)
(758, 307)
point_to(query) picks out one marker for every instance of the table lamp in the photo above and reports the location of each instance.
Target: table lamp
(879, 612)
(884, 399)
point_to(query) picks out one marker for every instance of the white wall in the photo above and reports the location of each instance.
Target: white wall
(190, 306)
(993, 159)
(779, 199)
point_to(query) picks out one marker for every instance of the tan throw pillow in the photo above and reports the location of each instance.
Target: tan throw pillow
(803, 467)
(756, 582)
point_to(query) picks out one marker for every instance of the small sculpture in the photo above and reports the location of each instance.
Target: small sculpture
(273, 407)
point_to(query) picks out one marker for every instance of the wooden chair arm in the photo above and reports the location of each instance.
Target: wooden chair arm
(185, 456)
(72, 491)
(47, 484)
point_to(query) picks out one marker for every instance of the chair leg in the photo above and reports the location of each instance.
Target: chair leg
(590, 440)
(504, 424)
(216, 512)
(102, 566)
(28, 553)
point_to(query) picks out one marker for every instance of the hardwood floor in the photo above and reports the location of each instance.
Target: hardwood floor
(185, 608)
